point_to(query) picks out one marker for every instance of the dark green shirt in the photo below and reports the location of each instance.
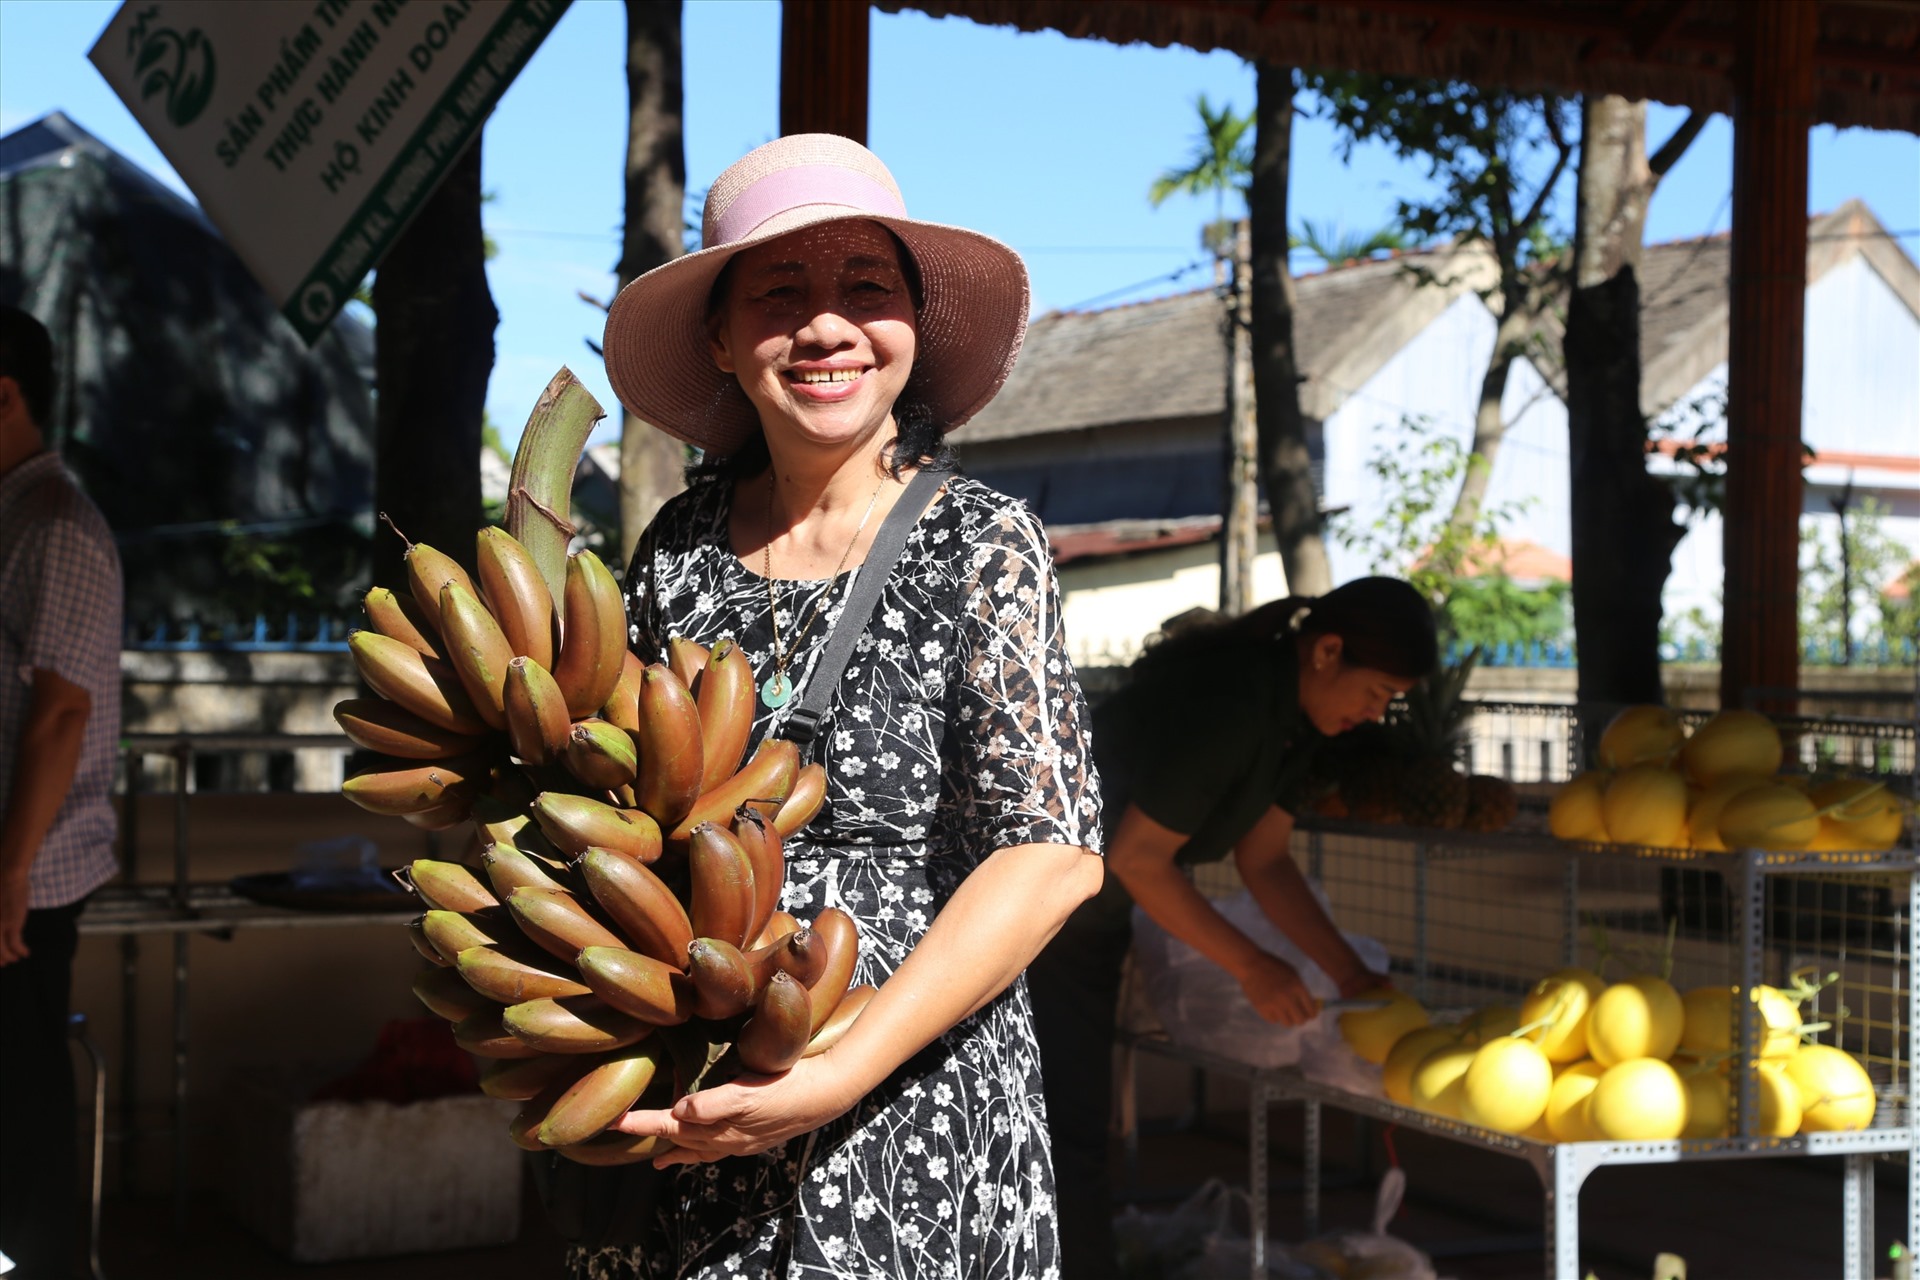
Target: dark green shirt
(1206, 746)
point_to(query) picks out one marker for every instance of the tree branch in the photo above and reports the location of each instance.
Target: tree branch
(1677, 143)
(1559, 164)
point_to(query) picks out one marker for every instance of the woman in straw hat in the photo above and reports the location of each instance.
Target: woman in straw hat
(817, 350)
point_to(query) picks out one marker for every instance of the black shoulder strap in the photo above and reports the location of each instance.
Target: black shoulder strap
(868, 580)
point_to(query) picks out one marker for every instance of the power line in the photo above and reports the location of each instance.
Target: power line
(1169, 278)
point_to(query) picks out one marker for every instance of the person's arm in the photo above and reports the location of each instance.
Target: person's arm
(46, 758)
(1265, 861)
(1142, 855)
(990, 930)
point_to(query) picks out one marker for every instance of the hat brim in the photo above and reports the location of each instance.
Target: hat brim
(972, 318)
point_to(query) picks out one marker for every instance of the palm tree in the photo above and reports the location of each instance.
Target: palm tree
(1334, 244)
(1222, 161)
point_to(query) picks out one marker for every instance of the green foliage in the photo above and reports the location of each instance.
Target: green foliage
(1221, 162)
(1493, 609)
(1335, 245)
(1900, 617)
(1691, 626)
(1834, 587)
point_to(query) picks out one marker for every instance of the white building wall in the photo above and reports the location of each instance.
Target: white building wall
(1437, 377)
(1111, 605)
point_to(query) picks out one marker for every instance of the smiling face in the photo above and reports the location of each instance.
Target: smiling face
(1336, 697)
(819, 328)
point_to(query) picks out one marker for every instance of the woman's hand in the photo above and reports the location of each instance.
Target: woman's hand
(745, 1116)
(1277, 992)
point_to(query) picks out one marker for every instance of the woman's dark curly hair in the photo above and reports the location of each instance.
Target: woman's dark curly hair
(921, 441)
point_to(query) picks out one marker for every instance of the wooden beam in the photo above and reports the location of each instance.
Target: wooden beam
(823, 67)
(1766, 347)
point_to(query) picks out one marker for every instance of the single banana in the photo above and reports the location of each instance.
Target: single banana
(511, 584)
(722, 983)
(417, 935)
(447, 994)
(762, 842)
(444, 816)
(523, 1079)
(557, 923)
(509, 868)
(623, 704)
(512, 979)
(536, 713)
(722, 896)
(800, 955)
(428, 570)
(424, 686)
(687, 660)
(670, 746)
(803, 802)
(451, 933)
(578, 823)
(764, 784)
(572, 1024)
(601, 755)
(777, 928)
(637, 985)
(726, 702)
(610, 1149)
(601, 1096)
(477, 651)
(380, 725)
(850, 1007)
(775, 1037)
(485, 1035)
(399, 618)
(520, 833)
(449, 886)
(640, 904)
(412, 787)
(524, 1128)
(593, 640)
(841, 938)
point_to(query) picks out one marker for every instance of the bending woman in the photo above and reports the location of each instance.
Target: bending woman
(1204, 754)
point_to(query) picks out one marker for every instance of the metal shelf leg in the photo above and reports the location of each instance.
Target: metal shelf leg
(1562, 1175)
(1858, 1217)
(1258, 1100)
(1310, 1173)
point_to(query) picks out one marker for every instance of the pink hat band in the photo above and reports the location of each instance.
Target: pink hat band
(808, 184)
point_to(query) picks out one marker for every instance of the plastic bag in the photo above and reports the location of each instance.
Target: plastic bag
(1369, 1255)
(1201, 1005)
(1198, 1239)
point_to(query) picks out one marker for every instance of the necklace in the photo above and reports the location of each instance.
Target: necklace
(777, 690)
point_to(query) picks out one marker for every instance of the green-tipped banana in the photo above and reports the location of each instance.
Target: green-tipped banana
(575, 1024)
(537, 721)
(726, 702)
(557, 923)
(722, 885)
(417, 935)
(426, 687)
(428, 570)
(477, 651)
(451, 932)
(637, 985)
(412, 788)
(775, 1037)
(516, 594)
(601, 755)
(509, 868)
(593, 641)
(449, 886)
(485, 1035)
(524, 1128)
(640, 904)
(447, 994)
(513, 979)
(399, 618)
(383, 726)
(578, 823)
(671, 754)
(601, 1096)
(722, 982)
(522, 1079)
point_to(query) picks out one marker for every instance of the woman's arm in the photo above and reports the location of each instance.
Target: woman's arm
(1142, 854)
(992, 927)
(1266, 865)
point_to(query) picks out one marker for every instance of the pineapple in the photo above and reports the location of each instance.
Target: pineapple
(1433, 789)
(1492, 803)
(1366, 771)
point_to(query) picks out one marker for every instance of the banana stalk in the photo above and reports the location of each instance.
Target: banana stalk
(540, 493)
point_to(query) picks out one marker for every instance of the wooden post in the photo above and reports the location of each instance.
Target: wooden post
(823, 67)
(1772, 111)
(1240, 515)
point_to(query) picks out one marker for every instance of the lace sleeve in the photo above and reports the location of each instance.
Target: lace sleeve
(1022, 771)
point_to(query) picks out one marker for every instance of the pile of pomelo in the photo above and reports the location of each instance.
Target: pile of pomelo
(1717, 789)
(1584, 1060)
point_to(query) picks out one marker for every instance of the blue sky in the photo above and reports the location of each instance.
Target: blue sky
(1048, 143)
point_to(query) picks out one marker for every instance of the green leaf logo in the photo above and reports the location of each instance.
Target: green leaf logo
(179, 67)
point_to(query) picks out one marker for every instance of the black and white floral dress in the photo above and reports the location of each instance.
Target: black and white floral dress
(958, 729)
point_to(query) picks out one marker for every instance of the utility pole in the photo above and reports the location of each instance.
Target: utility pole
(1240, 508)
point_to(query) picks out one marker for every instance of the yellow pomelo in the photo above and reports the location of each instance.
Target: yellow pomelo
(1704, 806)
(1774, 817)
(1646, 805)
(1567, 1101)
(1396, 1073)
(1371, 1032)
(1639, 1100)
(1639, 1018)
(1779, 1102)
(1490, 1023)
(1565, 1000)
(1836, 1096)
(1506, 1085)
(1435, 1085)
(1587, 978)
(1708, 1107)
(1575, 811)
(1640, 734)
(1869, 817)
(1731, 742)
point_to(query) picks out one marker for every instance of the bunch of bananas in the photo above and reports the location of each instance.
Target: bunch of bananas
(619, 943)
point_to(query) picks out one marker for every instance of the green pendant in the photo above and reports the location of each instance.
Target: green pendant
(777, 691)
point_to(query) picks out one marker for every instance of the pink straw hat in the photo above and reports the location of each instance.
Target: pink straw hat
(971, 320)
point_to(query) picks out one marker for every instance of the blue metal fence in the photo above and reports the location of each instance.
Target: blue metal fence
(1547, 655)
(294, 635)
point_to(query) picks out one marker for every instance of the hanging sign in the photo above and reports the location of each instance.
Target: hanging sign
(311, 131)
